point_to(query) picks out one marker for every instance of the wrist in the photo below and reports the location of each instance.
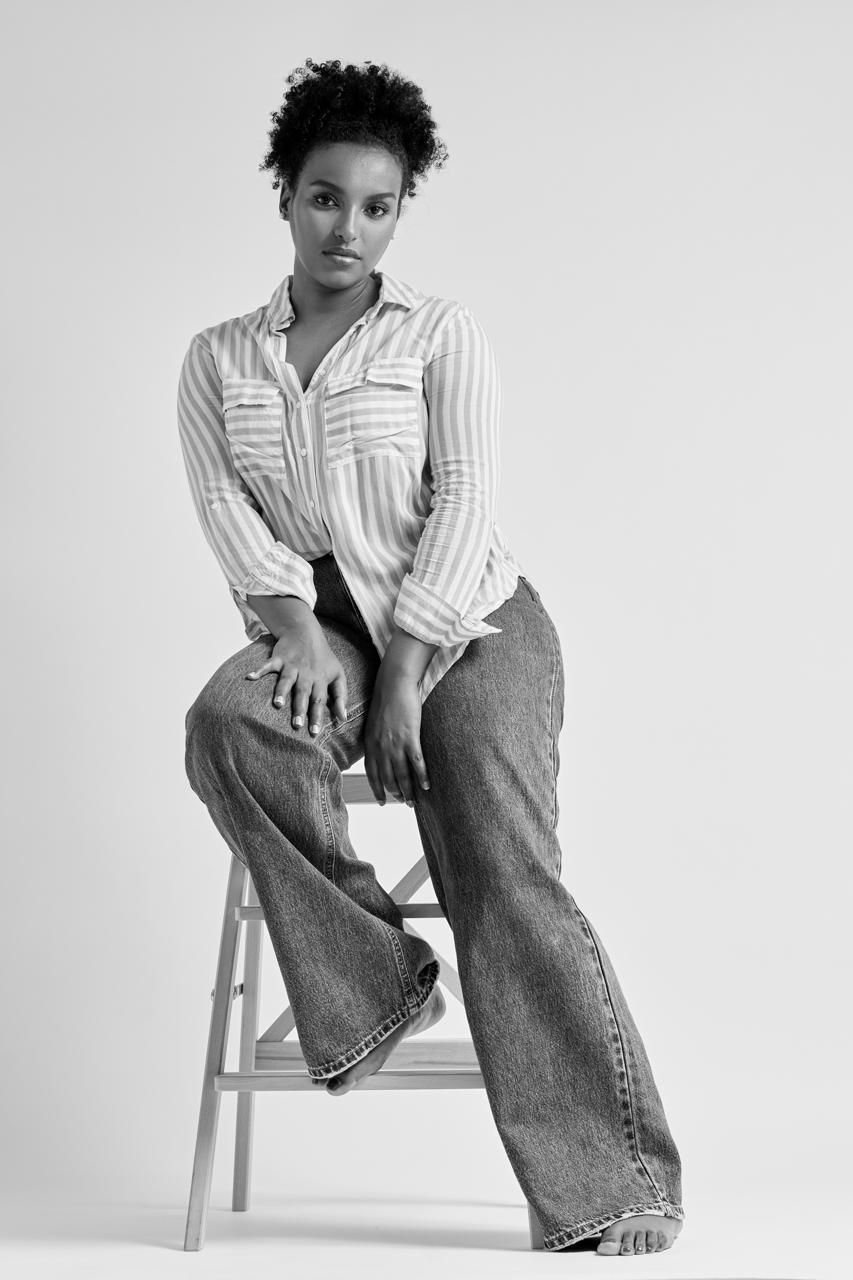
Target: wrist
(280, 613)
(407, 657)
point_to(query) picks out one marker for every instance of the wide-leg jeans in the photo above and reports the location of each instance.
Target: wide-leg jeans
(566, 1073)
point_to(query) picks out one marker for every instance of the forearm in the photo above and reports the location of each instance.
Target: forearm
(408, 656)
(277, 613)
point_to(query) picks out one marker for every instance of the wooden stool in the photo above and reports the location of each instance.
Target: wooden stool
(271, 1061)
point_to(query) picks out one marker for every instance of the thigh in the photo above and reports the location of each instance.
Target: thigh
(490, 728)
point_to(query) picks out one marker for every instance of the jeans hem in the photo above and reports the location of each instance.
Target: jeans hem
(380, 1033)
(563, 1236)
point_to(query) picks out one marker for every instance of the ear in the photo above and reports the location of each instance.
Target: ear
(283, 201)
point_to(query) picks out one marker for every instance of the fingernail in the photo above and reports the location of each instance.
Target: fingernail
(315, 728)
(252, 675)
(297, 720)
(425, 786)
(278, 701)
(410, 803)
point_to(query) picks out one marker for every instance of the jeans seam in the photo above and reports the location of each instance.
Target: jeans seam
(406, 980)
(622, 1063)
(562, 1236)
(556, 651)
(353, 713)
(553, 741)
(375, 1037)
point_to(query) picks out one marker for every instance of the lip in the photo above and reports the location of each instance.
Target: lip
(341, 253)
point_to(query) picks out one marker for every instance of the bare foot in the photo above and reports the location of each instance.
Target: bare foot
(425, 1017)
(646, 1233)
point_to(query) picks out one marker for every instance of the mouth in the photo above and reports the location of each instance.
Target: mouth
(343, 255)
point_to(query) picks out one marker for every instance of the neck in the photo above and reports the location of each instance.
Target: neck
(313, 301)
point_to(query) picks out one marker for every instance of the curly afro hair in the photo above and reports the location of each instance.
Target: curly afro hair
(370, 104)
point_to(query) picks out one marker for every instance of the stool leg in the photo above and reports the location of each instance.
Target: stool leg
(537, 1236)
(248, 1041)
(217, 1042)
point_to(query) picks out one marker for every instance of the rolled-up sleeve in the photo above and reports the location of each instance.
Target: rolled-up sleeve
(253, 560)
(463, 395)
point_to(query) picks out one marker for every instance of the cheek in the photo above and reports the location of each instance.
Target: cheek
(382, 231)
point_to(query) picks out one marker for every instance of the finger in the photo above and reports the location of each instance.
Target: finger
(405, 784)
(315, 708)
(283, 686)
(259, 671)
(338, 688)
(419, 766)
(301, 695)
(389, 777)
(373, 777)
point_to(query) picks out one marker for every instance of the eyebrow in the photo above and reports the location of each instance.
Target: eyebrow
(378, 195)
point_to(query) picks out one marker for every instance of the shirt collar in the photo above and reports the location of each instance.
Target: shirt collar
(391, 291)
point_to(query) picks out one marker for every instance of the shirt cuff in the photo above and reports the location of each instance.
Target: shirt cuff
(279, 573)
(429, 617)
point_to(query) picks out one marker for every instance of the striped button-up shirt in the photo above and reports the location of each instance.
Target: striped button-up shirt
(389, 459)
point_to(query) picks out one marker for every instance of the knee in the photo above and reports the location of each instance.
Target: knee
(207, 725)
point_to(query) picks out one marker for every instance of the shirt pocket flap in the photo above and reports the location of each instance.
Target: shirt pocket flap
(254, 426)
(392, 371)
(250, 392)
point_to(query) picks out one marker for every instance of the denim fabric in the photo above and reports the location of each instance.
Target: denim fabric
(566, 1073)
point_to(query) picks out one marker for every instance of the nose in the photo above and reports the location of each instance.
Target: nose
(345, 230)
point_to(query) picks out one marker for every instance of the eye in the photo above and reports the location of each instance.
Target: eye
(382, 210)
(323, 195)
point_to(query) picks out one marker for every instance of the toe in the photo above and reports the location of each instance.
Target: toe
(627, 1243)
(663, 1243)
(611, 1239)
(639, 1242)
(651, 1241)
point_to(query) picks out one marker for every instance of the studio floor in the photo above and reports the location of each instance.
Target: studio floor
(339, 1235)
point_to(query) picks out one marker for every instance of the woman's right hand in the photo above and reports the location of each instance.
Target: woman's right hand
(307, 671)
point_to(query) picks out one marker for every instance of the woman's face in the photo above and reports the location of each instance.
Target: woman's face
(346, 197)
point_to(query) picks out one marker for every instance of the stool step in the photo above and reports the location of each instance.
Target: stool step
(413, 1054)
(414, 1064)
(407, 909)
(300, 1081)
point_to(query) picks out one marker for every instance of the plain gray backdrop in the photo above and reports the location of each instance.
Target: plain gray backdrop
(648, 206)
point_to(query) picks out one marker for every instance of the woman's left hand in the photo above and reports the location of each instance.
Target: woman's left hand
(393, 760)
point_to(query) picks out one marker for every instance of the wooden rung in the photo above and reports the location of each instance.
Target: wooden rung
(416, 1053)
(409, 910)
(271, 1081)
(356, 789)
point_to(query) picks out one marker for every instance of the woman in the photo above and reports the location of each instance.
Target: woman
(341, 444)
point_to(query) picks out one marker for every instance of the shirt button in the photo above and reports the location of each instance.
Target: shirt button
(311, 504)
(303, 452)
(215, 506)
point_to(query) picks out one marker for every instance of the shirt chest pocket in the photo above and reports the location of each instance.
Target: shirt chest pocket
(374, 412)
(254, 412)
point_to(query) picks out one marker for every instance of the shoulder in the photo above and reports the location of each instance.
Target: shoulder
(230, 346)
(440, 321)
(453, 328)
